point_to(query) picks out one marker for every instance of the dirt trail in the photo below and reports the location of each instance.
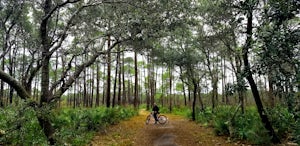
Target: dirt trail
(178, 132)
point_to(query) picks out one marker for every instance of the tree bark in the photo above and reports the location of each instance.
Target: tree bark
(148, 90)
(108, 74)
(135, 102)
(170, 88)
(98, 85)
(123, 80)
(194, 100)
(200, 99)
(14, 84)
(119, 76)
(271, 90)
(249, 77)
(116, 78)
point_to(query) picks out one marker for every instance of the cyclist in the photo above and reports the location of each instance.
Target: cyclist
(155, 110)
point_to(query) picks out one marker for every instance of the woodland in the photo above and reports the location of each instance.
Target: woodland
(70, 68)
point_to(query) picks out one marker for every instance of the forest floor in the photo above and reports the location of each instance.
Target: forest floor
(179, 131)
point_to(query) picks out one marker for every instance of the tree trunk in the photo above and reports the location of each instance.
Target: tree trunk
(189, 95)
(2, 83)
(108, 74)
(194, 100)
(200, 99)
(170, 88)
(213, 79)
(44, 121)
(148, 91)
(92, 87)
(123, 80)
(11, 73)
(223, 77)
(152, 81)
(47, 128)
(271, 90)
(97, 85)
(74, 95)
(239, 82)
(119, 76)
(115, 82)
(104, 87)
(259, 105)
(85, 96)
(135, 102)
(129, 91)
(184, 95)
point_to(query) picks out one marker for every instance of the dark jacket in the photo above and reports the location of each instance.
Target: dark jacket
(155, 109)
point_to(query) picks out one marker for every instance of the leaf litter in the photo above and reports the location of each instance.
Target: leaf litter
(179, 131)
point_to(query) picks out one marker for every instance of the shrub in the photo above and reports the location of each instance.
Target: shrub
(281, 120)
(229, 121)
(20, 126)
(222, 118)
(204, 117)
(296, 132)
(296, 129)
(77, 126)
(183, 111)
(248, 126)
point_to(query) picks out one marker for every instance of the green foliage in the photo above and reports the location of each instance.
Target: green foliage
(204, 117)
(281, 120)
(20, 126)
(77, 126)
(248, 126)
(73, 126)
(163, 109)
(221, 118)
(183, 111)
(296, 131)
(229, 121)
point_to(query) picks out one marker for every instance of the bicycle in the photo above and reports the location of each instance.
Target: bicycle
(162, 119)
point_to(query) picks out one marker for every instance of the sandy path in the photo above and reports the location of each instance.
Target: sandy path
(178, 132)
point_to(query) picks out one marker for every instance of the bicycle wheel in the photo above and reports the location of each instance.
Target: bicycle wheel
(162, 119)
(148, 119)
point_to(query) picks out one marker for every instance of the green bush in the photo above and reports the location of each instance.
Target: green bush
(183, 111)
(77, 126)
(281, 120)
(248, 126)
(20, 126)
(163, 109)
(204, 117)
(296, 132)
(221, 120)
(73, 126)
(227, 121)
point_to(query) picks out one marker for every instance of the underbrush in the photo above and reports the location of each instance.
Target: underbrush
(229, 121)
(178, 110)
(19, 125)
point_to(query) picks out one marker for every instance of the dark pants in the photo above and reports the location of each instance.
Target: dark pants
(155, 116)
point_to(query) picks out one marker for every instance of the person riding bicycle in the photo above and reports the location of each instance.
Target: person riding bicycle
(155, 110)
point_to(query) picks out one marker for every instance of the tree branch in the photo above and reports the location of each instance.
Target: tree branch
(66, 85)
(14, 84)
(47, 16)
